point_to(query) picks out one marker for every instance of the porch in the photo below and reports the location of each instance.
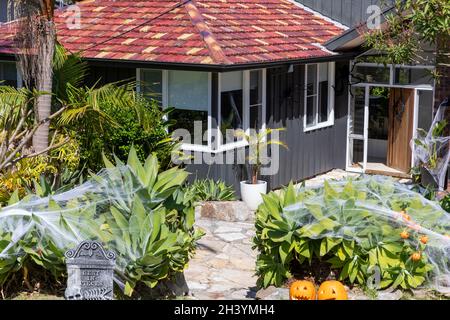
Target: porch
(387, 105)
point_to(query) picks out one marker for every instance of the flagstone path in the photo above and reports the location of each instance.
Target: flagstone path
(224, 264)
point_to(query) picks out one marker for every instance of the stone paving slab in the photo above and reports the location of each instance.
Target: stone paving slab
(224, 264)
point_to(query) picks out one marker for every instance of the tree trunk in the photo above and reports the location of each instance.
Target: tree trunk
(45, 83)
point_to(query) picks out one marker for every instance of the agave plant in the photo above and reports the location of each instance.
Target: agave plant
(135, 210)
(211, 190)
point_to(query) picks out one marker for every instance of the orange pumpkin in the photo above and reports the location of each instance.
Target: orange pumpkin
(332, 290)
(424, 239)
(302, 290)
(416, 256)
(404, 235)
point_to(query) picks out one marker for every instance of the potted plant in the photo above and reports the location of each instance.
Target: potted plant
(251, 190)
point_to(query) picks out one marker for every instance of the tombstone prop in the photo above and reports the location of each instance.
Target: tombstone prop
(90, 270)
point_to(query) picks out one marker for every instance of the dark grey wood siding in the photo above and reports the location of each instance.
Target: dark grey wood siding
(3, 10)
(347, 12)
(310, 153)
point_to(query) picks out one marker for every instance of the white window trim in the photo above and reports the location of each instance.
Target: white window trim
(246, 109)
(331, 99)
(221, 147)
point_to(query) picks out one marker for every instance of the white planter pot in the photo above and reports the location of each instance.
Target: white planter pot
(251, 193)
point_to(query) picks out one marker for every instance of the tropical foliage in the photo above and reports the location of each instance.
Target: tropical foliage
(353, 228)
(259, 143)
(413, 24)
(142, 215)
(211, 190)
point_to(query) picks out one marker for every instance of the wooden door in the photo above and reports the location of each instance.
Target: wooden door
(400, 131)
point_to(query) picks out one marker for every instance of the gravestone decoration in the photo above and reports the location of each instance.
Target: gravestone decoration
(90, 270)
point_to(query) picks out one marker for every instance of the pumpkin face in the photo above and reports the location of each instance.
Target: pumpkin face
(332, 290)
(302, 290)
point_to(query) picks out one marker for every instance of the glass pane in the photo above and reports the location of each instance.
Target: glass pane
(188, 90)
(255, 117)
(152, 84)
(188, 119)
(8, 74)
(190, 102)
(378, 113)
(413, 76)
(357, 111)
(379, 74)
(231, 81)
(255, 87)
(425, 109)
(310, 114)
(231, 105)
(323, 92)
(311, 87)
(356, 153)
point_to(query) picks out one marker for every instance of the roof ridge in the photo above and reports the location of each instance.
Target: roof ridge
(215, 50)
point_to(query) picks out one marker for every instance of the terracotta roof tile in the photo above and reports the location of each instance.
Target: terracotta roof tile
(195, 32)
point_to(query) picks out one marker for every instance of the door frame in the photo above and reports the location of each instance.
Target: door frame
(367, 87)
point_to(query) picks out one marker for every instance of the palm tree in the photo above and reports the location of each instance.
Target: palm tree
(36, 38)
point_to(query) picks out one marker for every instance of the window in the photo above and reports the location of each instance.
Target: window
(188, 92)
(152, 84)
(256, 100)
(8, 74)
(231, 105)
(401, 75)
(413, 76)
(319, 96)
(240, 104)
(369, 73)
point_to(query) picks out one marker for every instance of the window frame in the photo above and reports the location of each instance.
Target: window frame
(19, 79)
(391, 68)
(221, 147)
(331, 98)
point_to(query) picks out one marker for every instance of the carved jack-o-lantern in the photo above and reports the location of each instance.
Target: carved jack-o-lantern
(332, 290)
(302, 290)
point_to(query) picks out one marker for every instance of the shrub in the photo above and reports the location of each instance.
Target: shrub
(130, 120)
(58, 166)
(211, 190)
(142, 215)
(352, 227)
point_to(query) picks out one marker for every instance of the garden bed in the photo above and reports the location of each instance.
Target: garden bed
(353, 230)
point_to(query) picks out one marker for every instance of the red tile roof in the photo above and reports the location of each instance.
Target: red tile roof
(218, 32)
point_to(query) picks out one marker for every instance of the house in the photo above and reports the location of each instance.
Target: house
(254, 64)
